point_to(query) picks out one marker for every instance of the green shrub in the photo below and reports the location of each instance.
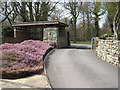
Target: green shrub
(107, 35)
(8, 31)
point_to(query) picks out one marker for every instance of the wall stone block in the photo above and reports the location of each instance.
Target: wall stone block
(107, 50)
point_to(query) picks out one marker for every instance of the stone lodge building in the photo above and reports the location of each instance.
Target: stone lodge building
(46, 31)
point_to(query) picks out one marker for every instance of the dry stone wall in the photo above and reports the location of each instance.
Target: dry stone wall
(108, 50)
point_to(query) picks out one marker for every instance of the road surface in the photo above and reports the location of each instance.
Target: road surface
(80, 68)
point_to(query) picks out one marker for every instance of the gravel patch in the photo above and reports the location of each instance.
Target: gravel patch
(36, 81)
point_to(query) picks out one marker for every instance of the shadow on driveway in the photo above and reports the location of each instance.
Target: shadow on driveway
(79, 46)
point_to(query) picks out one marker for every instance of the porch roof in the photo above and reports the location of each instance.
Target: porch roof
(43, 24)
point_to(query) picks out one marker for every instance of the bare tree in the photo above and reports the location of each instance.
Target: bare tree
(6, 11)
(97, 6)
(74, 9)
(30, 6)
(36, 9)
(111, 8)
(87, 11)
(46, 9)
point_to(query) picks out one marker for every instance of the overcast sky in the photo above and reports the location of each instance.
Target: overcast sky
(65, 13)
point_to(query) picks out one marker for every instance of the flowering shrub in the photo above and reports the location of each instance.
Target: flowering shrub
(52, 43)
(10, 59)
(24, 56)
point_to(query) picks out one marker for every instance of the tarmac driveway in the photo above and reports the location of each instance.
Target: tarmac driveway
(80, 68)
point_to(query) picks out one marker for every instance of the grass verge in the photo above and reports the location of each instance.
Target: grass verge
(78, 42)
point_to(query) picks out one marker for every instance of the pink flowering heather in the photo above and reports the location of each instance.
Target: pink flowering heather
(20, 56)
(52, 43)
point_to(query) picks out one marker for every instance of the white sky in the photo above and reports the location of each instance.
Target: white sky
(61, 0)
(66, 14)
(103, 19)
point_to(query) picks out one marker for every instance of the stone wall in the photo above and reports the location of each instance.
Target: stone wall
(62, 38)
(108, 50)
(49, 35)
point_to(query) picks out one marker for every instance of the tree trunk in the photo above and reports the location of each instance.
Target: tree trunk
(44, 11)
(23, 12)
(84, 26)
(111, 24)
(97, 26)
(37, 5)
(74, 29)
(111, 28)
(115, 22)
(119, 30)
(88, 27)
(31, 12)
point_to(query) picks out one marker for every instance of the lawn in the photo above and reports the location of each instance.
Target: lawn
(80, 42)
